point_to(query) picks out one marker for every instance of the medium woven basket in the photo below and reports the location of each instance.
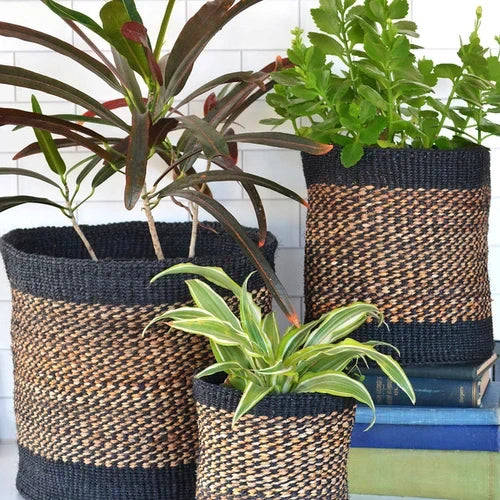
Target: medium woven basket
(290, 446)
(406, 230)
(102, 412)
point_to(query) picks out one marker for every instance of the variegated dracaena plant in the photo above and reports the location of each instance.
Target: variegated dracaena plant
(154, 115)
(314, 357)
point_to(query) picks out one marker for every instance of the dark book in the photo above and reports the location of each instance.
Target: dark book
(459, 372)
(466, 393)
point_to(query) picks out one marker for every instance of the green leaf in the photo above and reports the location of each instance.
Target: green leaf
(47, 144)
(450, 71)
(326, 43)
(137, 158)
(220, 368)
(179, 314)
(250, 317)
(212, 328)
(375, 49)
(295, 338)
(351, 154)
(398, 9)
(209, 300)
(372, 96)
(74, 15)
(26, 173)
(271, 329)
(288, 78)
(326, 20)
(132, 11)
(341, 322)
(336, 384)
(21, 77)
(7, 202)
(281, 140)
(371, 133)
(63, 48)
(215, 275)
(252, 395)
(114, 15)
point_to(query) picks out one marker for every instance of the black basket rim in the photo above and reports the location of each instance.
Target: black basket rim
(8, 242)
(209, 392)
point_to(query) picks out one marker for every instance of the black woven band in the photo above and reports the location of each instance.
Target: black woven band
(467, 168)
(52, 262)
(435, 343)
(210, 393)
(61, 481)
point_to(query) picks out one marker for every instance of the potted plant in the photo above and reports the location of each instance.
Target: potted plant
(399, 209)
(275, 413)
(100, 412)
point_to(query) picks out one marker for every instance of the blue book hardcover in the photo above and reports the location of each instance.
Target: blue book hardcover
(487, 414)
(428, 437)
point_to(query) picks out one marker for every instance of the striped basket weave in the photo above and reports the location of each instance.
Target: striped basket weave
(102, 412)
(406, 230)
(290, 446)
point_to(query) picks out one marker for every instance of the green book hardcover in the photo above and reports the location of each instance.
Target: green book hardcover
(450, 475)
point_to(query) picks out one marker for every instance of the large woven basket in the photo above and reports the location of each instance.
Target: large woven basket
(102, 412)
(290, 446)
(406, 230)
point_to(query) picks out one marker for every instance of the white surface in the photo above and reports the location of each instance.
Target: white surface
(8, 468)
(251, 41)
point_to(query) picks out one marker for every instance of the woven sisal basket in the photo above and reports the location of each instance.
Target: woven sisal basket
(406, 230)
(102, 412)
(290, 446)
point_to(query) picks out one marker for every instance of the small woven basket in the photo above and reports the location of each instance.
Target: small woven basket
(104, 413)
(406, 230)
(290, 446)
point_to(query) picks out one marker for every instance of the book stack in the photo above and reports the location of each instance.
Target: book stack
(446, 446)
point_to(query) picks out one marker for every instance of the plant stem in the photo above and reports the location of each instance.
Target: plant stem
(447, 106)
(194, 230)
(163, 29)
(152, 226)
(82, 236)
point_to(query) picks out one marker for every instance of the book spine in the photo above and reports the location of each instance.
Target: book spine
(449, 372)
(455, 475)
(428, 391)
(427, 437)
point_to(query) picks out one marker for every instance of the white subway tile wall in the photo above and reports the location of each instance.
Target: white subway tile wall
(250, 42)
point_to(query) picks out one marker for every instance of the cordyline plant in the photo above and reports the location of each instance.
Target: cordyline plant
(375, 92)
(127, 149)
(315, 357)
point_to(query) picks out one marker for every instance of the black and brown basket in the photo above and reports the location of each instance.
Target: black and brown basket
(290, 446)
(406, 230)
(102, 412)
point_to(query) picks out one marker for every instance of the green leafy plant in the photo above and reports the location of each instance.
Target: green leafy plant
(360, 83)
(315, 357)
(154, 118)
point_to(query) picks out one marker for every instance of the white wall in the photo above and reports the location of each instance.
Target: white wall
(252, 40)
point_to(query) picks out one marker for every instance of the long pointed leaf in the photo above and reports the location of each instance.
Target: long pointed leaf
(17, 117)
(21, 77)
(212, 328)
(252, 395)
(63, 48)
(249, 248)
(137, 158)
(215, 275)
(47, 145)
(219, 367)
(26, 173)
(282, 140)
(7, 202)
(74, 15)
(224, 176)
(194, 37)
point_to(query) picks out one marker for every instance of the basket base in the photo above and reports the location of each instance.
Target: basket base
(42, 479)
